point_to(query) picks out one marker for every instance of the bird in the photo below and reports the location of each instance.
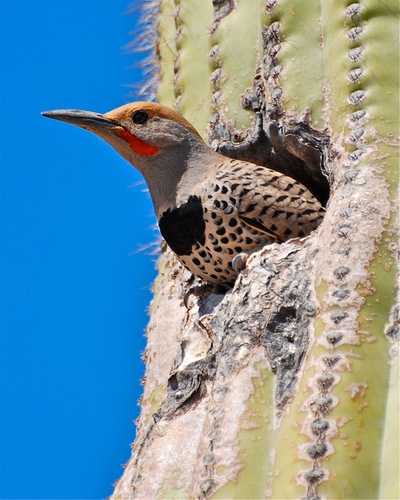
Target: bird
(210, 209)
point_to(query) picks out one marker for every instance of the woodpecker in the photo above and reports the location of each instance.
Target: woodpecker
(210, 208)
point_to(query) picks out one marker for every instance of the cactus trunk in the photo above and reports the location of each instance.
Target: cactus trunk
(287, 385)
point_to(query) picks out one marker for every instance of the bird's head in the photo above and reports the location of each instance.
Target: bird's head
(156, 140)
(144, 128)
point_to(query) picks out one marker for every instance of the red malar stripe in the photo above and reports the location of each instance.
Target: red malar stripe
(136, 144)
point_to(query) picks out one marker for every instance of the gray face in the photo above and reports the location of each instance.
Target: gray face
(154, 139)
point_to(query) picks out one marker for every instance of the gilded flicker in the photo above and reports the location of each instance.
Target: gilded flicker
(209, 208)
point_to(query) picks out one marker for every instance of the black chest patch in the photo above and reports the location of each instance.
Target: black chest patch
(183, 226)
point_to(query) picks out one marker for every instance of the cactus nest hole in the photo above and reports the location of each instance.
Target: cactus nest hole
(291, 146)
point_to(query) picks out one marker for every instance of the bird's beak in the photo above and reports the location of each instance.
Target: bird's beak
(88, 120)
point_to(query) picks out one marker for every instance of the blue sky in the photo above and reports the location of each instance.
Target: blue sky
(74, 284)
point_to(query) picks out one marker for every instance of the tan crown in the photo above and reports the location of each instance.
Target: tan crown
(125, 112)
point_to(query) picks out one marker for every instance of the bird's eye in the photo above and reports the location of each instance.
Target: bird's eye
(140, 117)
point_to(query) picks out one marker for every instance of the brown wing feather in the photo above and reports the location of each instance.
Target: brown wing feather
(278, 205)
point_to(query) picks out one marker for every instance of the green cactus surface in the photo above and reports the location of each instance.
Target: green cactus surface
(333, 65)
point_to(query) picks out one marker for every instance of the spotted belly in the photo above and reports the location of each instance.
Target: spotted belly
(239, 209)
(207, 236)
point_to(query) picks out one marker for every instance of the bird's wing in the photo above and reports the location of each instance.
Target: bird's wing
(278, 205)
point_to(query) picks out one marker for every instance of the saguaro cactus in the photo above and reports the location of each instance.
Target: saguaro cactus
(287, 385)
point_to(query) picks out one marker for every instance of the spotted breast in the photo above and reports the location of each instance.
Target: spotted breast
(241, 209)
